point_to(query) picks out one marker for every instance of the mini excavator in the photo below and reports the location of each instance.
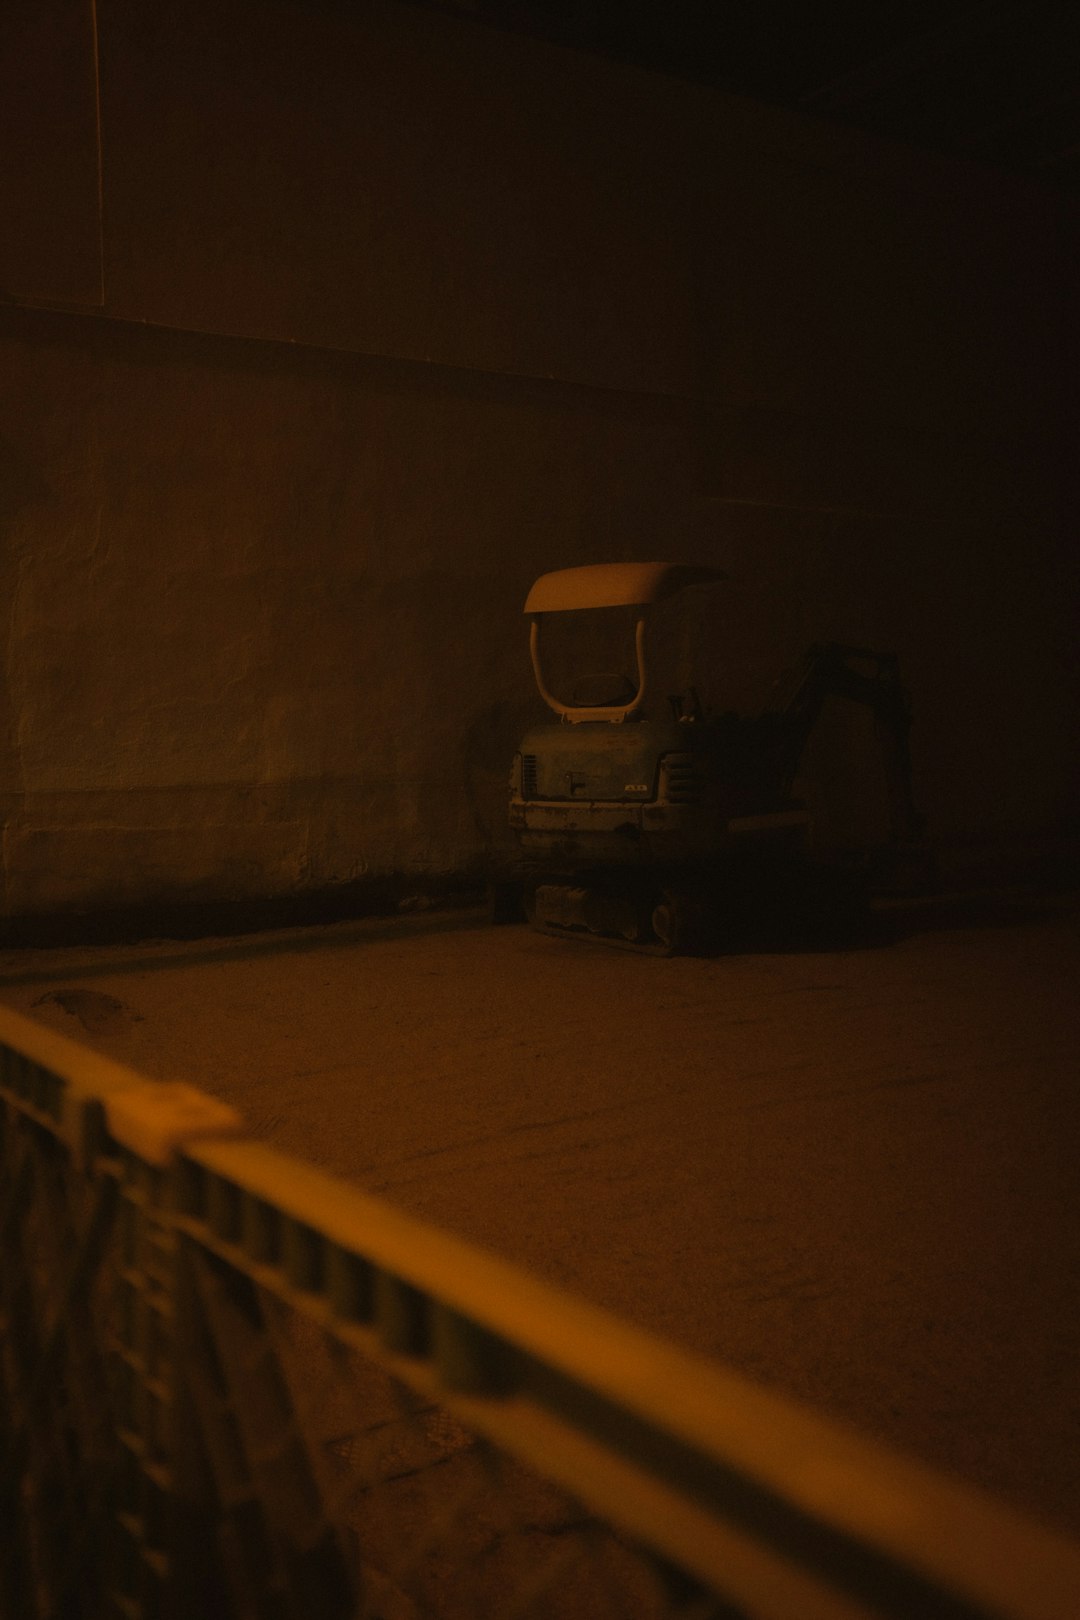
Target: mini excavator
(652, 827)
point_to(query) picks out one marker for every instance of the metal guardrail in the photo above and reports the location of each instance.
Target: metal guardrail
(233, 1385)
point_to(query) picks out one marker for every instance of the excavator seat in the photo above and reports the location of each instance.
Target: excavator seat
(593, 691)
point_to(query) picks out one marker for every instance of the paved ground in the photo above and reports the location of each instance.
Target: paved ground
(851, 1174)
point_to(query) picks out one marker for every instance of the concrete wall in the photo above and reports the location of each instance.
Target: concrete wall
(382, 316)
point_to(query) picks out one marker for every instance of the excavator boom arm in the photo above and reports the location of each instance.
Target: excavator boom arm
(833, 669)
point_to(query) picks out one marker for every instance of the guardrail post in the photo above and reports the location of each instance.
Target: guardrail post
(147, 1359)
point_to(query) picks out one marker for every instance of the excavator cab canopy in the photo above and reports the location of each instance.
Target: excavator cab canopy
(603, 585)
(606, 585)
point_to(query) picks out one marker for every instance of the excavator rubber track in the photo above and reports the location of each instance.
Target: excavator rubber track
(799, 904)
(651, 920)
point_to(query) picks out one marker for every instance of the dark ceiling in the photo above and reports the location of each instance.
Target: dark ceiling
(997, 82)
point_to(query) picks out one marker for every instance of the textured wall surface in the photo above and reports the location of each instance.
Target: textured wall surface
(398, 313)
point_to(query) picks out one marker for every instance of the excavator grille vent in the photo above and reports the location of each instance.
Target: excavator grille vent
(683, 782)
(528, 776)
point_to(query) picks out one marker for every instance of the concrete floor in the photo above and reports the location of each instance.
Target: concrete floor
(850, 1174)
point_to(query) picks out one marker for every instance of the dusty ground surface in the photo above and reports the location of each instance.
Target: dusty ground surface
(851, 1174)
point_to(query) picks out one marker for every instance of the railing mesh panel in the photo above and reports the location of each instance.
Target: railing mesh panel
(382, 1489)
(172, 1431)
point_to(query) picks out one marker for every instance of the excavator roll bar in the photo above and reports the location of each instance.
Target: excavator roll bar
(606, 585)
